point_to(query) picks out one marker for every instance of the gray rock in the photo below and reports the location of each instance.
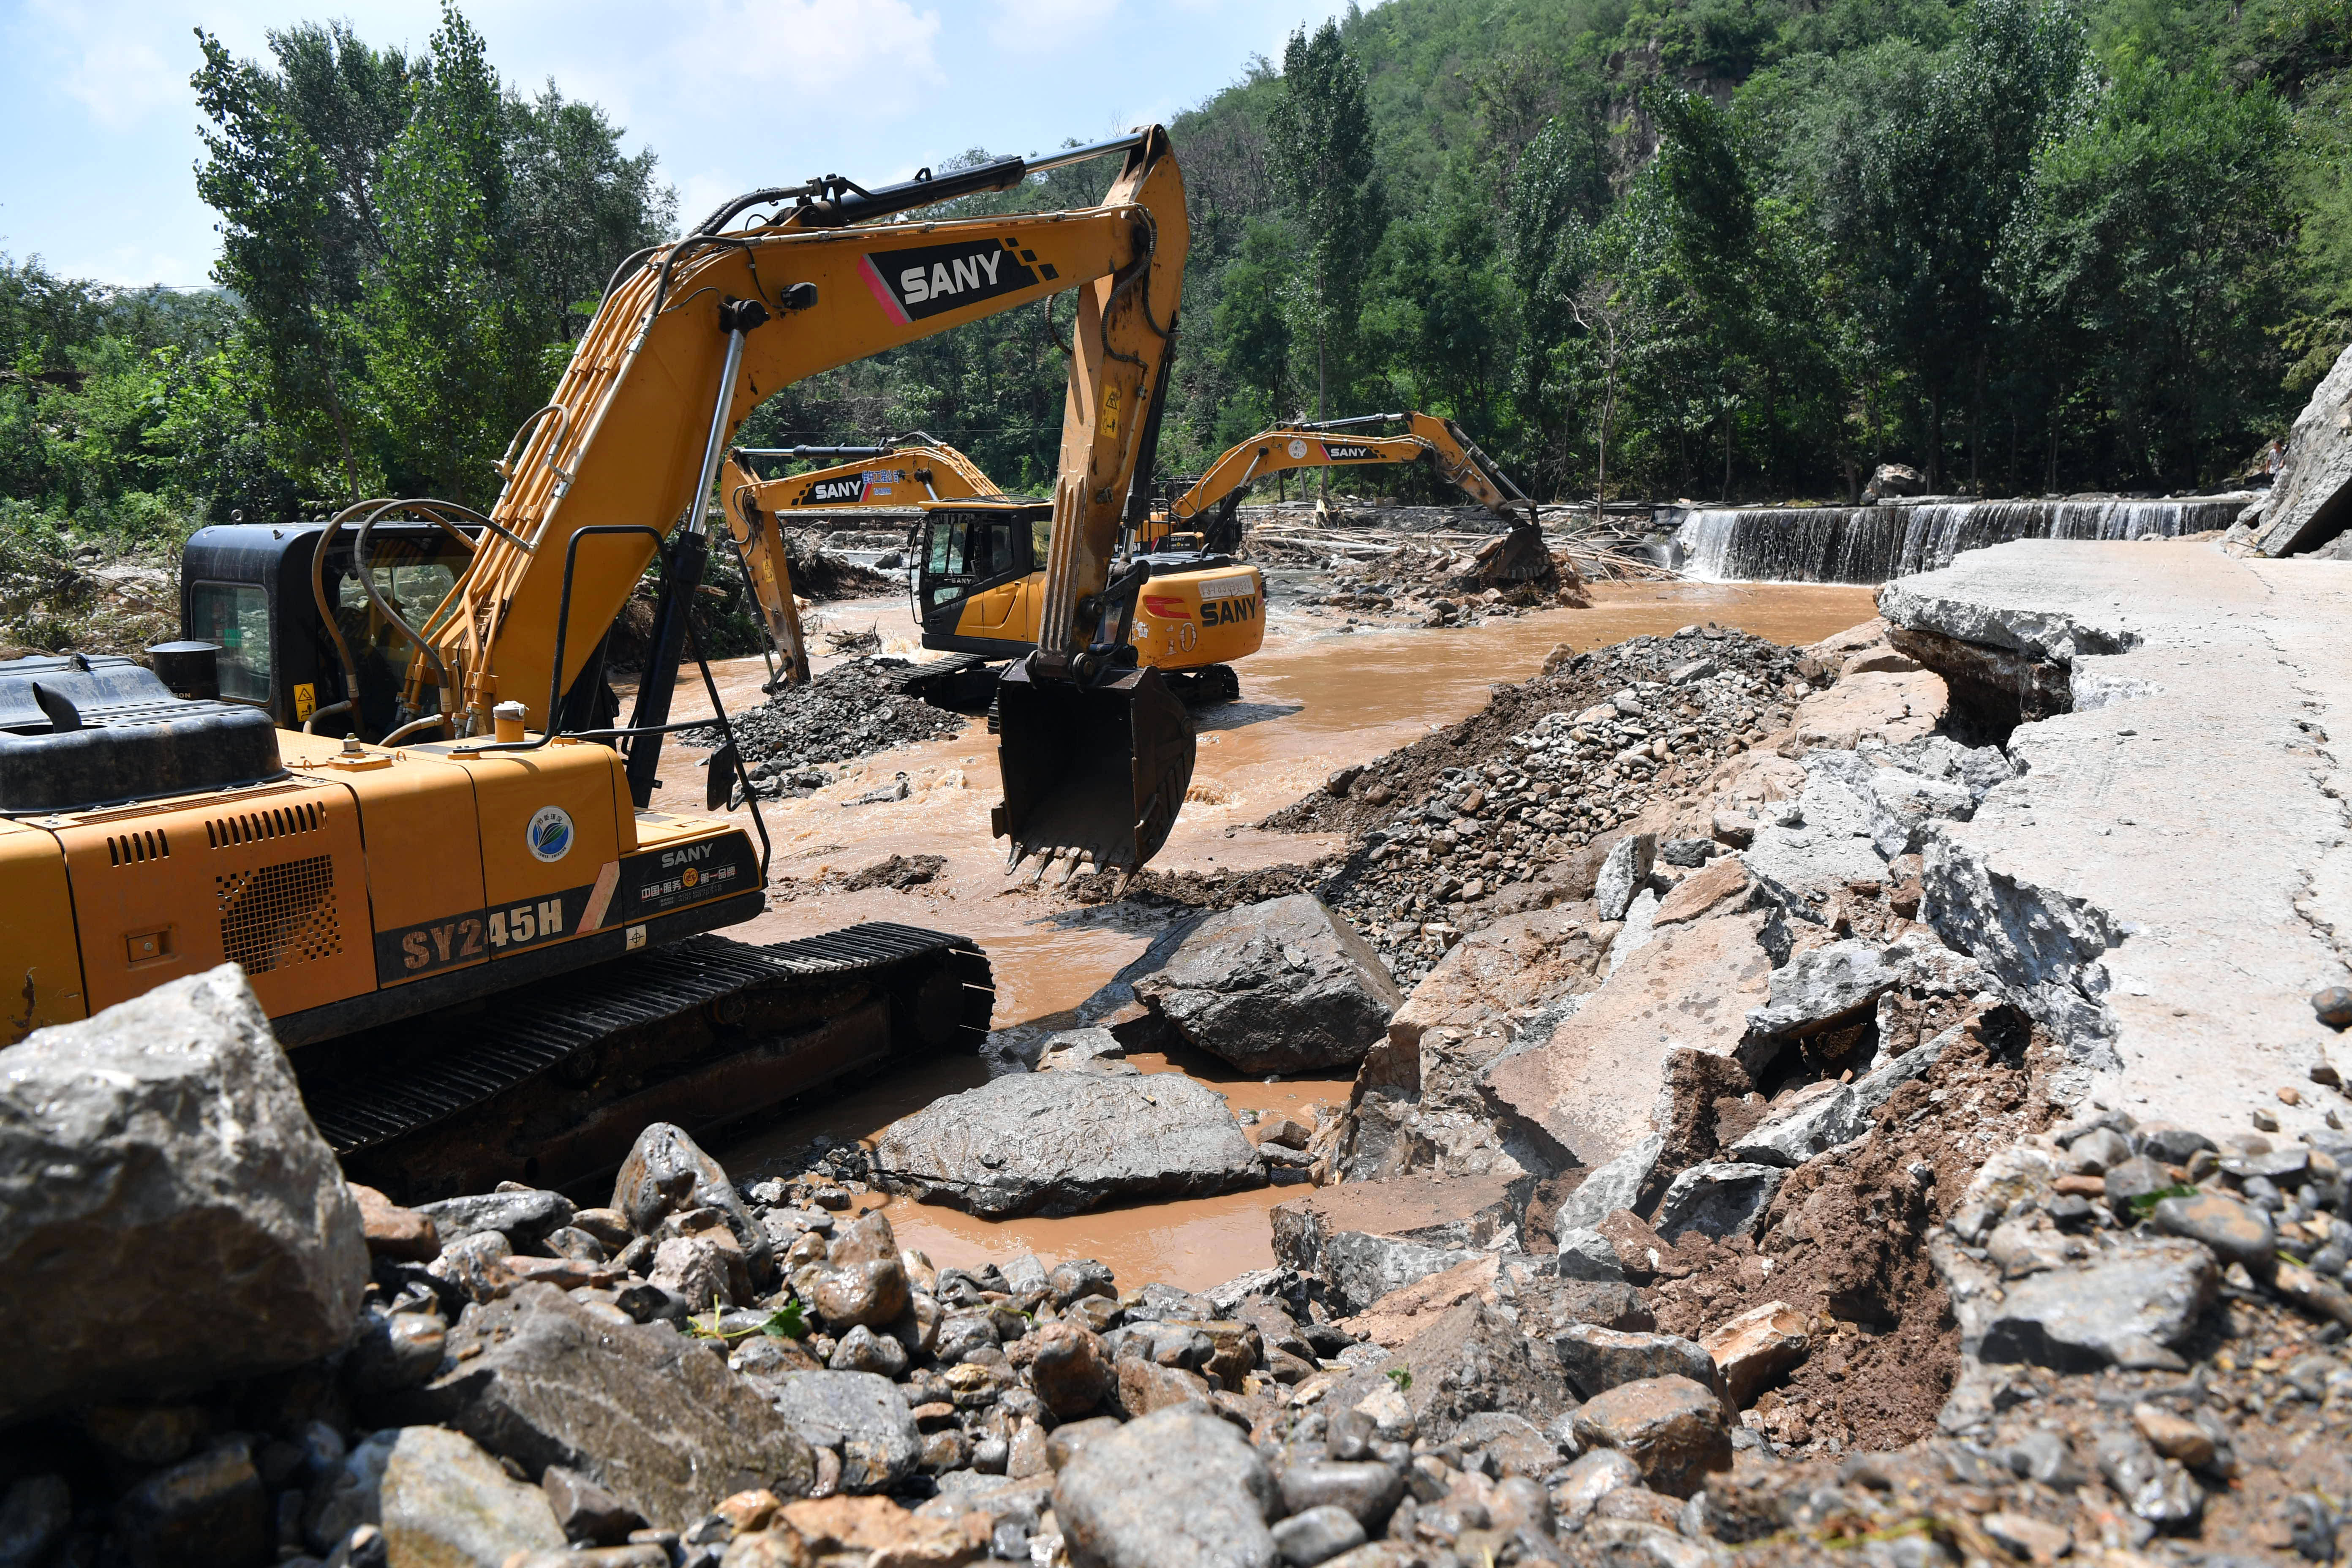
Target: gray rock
(648, 1413)
(1597, 1359)
(1085, 1050)
(33, 1513)
(1823, 984)
(1358, 1269)
(438, 1499)
(1517, 1445)
(586, 1512)
(526, 1220)
(1594, 1476)
(2158, 1490)
(666, 1172)
(1821, 1122)
(1619, 1185)
(164, 1140)
(1178, 1488)
(2235, 1232)
(1828, 845)
(862, 1416)
(1623, 874)
(1282, 987)
(2307, 501)
(1586, 1254)
(210, 1512)
(1470, 1360)
(1316, 1534)
(1062, 1142)
(1719, 1199)
(2127, 1308)
(1366, 1487)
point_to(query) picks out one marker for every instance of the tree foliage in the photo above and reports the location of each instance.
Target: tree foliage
(1702, 247)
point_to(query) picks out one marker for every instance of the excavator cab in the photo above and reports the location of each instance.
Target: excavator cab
(979, 564)
(247, 588)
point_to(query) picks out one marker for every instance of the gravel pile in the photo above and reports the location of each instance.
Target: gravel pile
(850, 711)
(1451, 826)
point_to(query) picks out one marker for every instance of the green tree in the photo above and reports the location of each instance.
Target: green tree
(1324, 167)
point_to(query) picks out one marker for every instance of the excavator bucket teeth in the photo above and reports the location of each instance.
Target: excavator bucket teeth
(1098, 771)
(1523, 557)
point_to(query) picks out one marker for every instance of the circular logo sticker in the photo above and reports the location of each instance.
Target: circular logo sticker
(1298, 448)
(691, 876)
(550, 833)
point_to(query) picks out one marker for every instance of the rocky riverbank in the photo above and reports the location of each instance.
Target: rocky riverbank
(1732, 1170)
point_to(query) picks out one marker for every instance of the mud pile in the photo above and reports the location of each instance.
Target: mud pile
(850, 711)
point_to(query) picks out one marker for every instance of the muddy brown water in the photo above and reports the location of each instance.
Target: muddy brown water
(1314, 699)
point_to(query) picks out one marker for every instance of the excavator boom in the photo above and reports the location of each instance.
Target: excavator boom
(1337, 444)
(892, 478)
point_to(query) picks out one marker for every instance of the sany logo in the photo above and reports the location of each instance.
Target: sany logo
(927, 279)
(673, 858)
(1346, 454)
(834, 493)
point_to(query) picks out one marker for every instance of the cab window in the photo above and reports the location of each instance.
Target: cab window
(236, 616)
(969, 551)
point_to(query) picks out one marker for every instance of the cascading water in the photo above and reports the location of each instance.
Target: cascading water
(1874, 543)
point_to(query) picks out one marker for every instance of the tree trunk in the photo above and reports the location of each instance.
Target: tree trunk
(1976, 428)
(1935, 441)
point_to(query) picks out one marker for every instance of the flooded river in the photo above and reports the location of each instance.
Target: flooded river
(1315, 698)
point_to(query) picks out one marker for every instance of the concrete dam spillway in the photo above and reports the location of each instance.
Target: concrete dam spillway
(1877, 543)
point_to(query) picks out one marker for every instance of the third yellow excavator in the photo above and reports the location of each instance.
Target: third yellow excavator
(1350, 443)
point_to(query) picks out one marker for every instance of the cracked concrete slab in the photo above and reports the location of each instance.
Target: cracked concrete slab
(2170, 878)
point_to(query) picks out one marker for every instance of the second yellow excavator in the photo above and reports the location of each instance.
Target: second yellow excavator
(915, 468)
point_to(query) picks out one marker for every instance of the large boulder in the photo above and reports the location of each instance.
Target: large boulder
(169, 1216)
(1176, 1488)
(1285, 986)
(2310, 501)
(440, 1501)
(1062, 1142)
(1593, 1086)
(649, 1414)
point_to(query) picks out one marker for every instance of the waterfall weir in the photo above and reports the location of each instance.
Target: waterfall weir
(1874, 543)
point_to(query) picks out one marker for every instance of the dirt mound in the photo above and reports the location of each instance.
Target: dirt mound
(1846, 1240)
(820, 576)
(850, 711)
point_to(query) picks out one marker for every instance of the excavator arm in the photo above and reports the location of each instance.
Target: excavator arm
(894, 477)
(1334, 444)
(692, 335)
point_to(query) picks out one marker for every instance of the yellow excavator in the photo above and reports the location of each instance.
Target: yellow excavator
(379, 772)
(896, 477)
(1212, 502)
(979, 580)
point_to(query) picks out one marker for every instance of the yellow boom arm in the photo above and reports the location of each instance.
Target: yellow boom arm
(894, 477)
(1335, 444)
(628, 434)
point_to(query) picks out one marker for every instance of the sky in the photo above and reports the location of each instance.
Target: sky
(99, 123)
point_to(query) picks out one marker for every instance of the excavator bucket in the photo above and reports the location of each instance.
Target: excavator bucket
(1519, 556)
(1095, 771)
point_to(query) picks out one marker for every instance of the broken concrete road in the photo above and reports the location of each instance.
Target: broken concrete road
(2169, 879)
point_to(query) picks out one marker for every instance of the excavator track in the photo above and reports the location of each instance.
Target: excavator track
(549, 1084)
